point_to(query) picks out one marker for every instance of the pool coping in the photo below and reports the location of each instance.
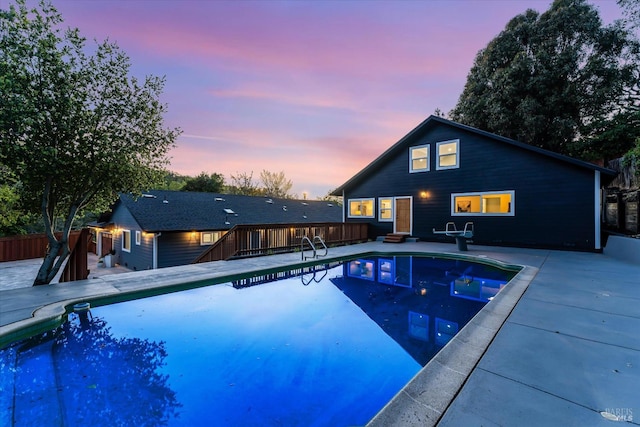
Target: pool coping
(422, 401)
(426, 397)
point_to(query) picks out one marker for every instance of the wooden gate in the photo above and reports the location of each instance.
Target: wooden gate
(107, 243)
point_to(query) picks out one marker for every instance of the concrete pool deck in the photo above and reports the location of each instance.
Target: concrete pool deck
(567, 353)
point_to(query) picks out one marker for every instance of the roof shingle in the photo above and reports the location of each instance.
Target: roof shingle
(162, 210)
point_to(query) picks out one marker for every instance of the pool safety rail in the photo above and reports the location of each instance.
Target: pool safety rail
(461, 236)
(266, 239)
(314, 248)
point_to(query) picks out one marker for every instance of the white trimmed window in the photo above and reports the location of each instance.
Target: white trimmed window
(448, 154)
(385, 209)
(209, 237)
(361, 208)
(126, 240)
(138, 237)
(490, 203)
(419, 158)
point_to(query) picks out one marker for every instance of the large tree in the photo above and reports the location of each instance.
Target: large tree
(76, 128)
(631, 9)
(555, 80)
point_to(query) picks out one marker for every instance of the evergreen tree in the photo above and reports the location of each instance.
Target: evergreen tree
(558, 80)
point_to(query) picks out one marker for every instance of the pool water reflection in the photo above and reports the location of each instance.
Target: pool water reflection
(297, 351)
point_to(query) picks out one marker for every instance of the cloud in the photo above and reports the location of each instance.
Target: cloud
(205, 137)
(317, 89)
(273, 93)
(358, 39)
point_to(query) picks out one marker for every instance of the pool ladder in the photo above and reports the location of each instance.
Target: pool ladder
(313, 278)
(316, 239)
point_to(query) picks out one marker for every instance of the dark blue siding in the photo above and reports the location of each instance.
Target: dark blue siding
(141, 256)
(178, 248)
(554, 199)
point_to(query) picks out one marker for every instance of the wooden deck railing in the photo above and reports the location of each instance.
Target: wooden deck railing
(266, 239)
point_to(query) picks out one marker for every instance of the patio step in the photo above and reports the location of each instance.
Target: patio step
(394, 238)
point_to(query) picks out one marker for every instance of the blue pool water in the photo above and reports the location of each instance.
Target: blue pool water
(325, 349)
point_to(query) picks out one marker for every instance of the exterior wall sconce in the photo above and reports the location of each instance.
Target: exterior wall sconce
(424, 194)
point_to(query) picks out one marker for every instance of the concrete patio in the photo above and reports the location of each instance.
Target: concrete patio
(567, 354)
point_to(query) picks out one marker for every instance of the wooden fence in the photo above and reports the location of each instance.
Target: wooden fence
(29, 246)
(265, 239)
(76, 267)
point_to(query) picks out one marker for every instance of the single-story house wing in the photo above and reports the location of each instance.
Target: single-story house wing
(169, 228)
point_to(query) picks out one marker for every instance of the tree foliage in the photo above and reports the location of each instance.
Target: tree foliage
(631, 10)
(11, 214)
(206, 183)
(103, 379)
(76, 128)
(276, 184)
(272, 184)
(329, 197)
(556, 80)
(173, 181)
(243, 183)
(632, 158)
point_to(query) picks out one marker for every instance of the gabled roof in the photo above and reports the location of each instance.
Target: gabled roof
(433, 121)
(161, 210)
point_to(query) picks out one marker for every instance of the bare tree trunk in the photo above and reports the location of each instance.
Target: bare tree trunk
(42, 278)
(50, 266)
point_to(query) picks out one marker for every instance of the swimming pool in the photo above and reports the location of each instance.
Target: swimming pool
(311, 350)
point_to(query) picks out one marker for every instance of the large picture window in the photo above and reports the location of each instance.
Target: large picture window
(491, 203)
(361, 208)
(419, 158)
(448, 154)
(385, 208)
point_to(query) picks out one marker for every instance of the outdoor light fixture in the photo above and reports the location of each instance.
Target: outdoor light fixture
(424, 194)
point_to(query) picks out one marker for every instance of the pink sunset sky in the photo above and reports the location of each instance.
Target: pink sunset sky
(317, 89)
